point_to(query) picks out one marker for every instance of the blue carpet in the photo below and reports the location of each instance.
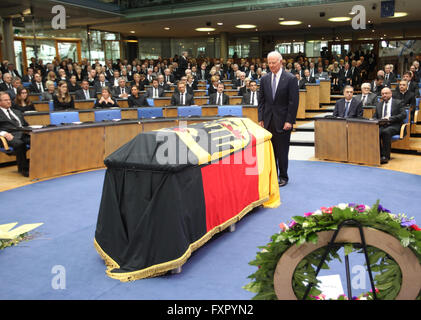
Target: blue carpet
(68, 206)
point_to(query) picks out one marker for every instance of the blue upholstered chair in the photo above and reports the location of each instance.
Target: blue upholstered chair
(58, 118)
(236, 111)
(153, 112)
(107, 115)
(404, 129)
(189, 111)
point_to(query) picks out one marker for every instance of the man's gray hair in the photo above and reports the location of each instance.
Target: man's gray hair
(275, 54)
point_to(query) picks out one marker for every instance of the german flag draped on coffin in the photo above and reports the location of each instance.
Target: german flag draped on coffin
(167, 192)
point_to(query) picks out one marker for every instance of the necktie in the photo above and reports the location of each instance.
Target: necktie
(387, 76)
(16, 122)
(346, 109)
(155, 93)
(87, 94)
(122, 90)
(385, 109)
(252, 98)
(364, 100)
(182, 99)
(219, 99)
(274, 86)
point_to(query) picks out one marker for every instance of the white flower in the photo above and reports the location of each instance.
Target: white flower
(342, 206)
(363, 298)
(305, 224)
(317, 213)
(367, 207)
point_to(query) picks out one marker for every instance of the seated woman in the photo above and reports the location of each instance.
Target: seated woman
(73, 85)
(51, 76)
(136, 99)
(22, 101)
(51, 91)
(63, 100)
(79, 74)
(138, 82)
(106, 100)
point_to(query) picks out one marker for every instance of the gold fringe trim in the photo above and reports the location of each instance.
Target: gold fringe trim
(162, 268)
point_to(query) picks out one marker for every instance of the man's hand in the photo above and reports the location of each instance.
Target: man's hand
(261, 124)
(287, 126)
(9, 136)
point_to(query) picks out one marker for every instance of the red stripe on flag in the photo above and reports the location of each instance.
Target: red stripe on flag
(228, 189)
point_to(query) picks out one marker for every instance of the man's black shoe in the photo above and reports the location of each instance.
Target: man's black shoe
(383, 160)
(282, 182)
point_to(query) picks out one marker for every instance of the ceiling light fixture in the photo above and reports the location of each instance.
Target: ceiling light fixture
(220, 23)
(132, 31)
(290, 23)
(399, 15)
(167, 28)
(245, 26)
(207, 29)
(339, 19)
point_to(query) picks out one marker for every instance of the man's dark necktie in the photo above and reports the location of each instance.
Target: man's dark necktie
(346, 109)
(252, 98)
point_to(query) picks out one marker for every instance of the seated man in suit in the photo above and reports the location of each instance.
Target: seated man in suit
(101, 83)
(348, 107)
(367, 97)
(155, 91)
(219, 97)
(37, 85)
(161, 83)
(85, 93)
(11, 121)
(251, 98)
(412, 85)
(308, 78)
(29, 75)
(239, 83)
(122, 91)
(321, 75)
(182, 98)
(389, 77)
(407, 97)
(301, 82)
(377, 85)
(7, 82)
(392, 110)
(16, 83)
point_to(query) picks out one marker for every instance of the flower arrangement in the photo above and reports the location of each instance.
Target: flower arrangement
(302, 229)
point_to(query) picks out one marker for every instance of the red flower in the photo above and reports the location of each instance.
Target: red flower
(326, 210)
(415, 227)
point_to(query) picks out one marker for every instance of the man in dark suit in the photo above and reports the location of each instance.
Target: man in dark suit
(389, 77)
(219, 97)
(122, 91)
(252, 97)
(377, 85)
(182, 98)
(407, 97)
(366, 97)
(37, 85)
(101, 83)
(7, 82)
(394, 112)
(85, 93)
(348, 107)
(203, 73)
(12, 70)
(307, 77)
(183, 64)
(278, 104)
(11, 122)
(29, 77)
(412, 85)
(155, 91)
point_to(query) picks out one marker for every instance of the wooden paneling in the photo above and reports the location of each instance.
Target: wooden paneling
(37, 119)
(301, 112)
(118, 135)
(129, 114)
(63, 151)
(42, 106)
(313, 97)
(363, 142)
(324, 96)
(330, 140)
(170, 112)
(251, 113)
(156, 125)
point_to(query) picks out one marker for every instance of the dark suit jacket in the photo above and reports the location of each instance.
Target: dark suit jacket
(247, 96)
(214, 96)
(397, 114)
(378, 89)
(285, 105)
(200, 77)
(137, 102)
(392, 78)
(97, 86)
(10, 126)
(175, 100)
(408, 98)
(370, 101)
(116, 91)
(355, 109)
(149, 92)
(80, 94)
(33, 88)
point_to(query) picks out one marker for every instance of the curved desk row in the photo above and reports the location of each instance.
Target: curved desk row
(58, 150)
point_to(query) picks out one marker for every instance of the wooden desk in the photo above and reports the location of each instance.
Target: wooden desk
(324, 95)
(363, 142)
(330, 139)
(301, 112)
(369, 111)
(313, 96)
